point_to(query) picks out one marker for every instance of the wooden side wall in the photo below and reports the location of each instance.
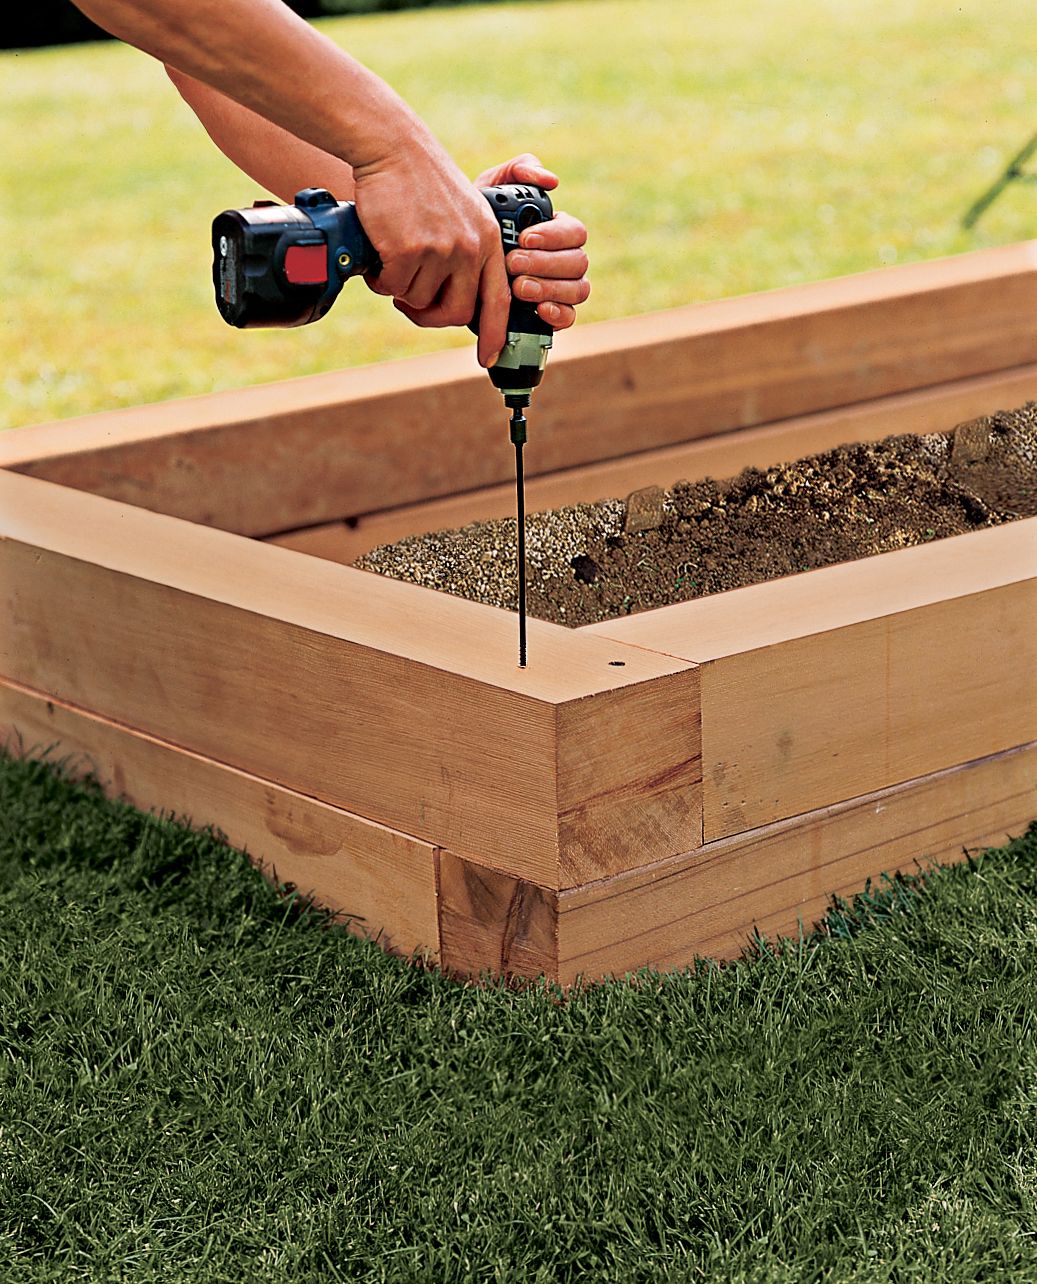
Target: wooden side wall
(935, 409)
(268, 459)
(777, 878)
(834, 683)
(392, 702)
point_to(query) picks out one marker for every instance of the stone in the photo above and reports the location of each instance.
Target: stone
(644, 510)
(971, 444)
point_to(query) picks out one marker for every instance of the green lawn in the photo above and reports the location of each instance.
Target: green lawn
(201, 1082)
(712, 148)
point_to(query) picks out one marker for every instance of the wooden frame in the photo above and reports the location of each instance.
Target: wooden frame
(649, 789)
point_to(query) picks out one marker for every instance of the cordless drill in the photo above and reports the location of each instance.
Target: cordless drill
(284, 265)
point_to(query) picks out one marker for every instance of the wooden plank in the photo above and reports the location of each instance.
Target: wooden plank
(834, 596)
(708, 903)
(490, 922)
(934, 409)
(382, 880)
(390, 701)
(830, 684)
(818, 719)
(360, 441)
(649, 799)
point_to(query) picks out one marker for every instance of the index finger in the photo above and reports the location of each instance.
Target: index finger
(495, 303)
(563, 232)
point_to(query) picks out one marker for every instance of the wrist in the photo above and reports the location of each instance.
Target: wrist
(384, 130)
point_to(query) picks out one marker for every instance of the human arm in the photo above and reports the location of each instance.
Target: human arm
(438, 257)
(284, 165)
(277, 160)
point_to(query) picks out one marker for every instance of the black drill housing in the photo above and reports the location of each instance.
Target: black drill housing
(255, 250)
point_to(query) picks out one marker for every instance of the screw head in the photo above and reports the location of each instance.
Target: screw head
(344, 260)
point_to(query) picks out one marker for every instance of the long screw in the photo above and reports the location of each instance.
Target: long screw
(518, 436)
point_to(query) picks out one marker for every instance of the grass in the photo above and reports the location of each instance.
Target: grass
(712, 148)
(200, 1080)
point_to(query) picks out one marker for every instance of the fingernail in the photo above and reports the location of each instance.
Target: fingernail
(551, 312)
(530, 289)
(531, 240)
(494, 359)
(519, 262)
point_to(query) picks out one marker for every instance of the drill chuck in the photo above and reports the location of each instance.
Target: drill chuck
(520, 366)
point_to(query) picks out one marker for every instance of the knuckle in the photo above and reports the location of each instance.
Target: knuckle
(389, 282)
(469, 244)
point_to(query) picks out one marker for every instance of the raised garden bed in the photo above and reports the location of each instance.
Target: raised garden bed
(652, 787)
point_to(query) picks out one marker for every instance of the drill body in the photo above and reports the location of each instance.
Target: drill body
(285, 265)
(520, 366)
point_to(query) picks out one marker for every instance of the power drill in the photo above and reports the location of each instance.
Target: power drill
(284, 265)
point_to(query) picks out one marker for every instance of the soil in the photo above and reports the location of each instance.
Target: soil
(591, 562)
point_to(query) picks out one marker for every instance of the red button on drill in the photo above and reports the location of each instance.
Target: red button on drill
(306, 265)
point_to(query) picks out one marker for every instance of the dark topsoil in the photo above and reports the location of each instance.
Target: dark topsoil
(593, 562)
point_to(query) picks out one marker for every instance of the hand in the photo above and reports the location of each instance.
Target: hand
(550, 266)
(437, 238)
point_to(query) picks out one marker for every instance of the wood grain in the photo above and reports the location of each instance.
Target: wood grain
(333, 446)
(383, 882)
(490, 922)
(837, 682)
(393, 702)
(629, 776)
(709, 902)
(934, 409)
